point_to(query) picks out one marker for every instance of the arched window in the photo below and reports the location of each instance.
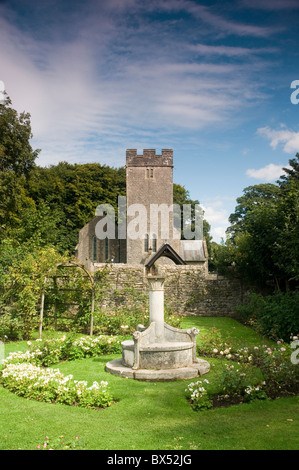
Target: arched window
(146, 240)
(154, 242)
(94, 249)
(106, 249)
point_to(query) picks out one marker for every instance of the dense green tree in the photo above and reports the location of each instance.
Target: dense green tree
(16, 153)
(254, 198)
(72, 192)
(181, 196)
(263, 242)
(17, 159)
(291, 172)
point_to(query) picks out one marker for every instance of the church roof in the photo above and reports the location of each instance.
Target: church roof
(169, 252)
(192, 250)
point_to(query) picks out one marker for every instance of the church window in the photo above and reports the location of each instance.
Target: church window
(106, 249)
(154, 243)
(146, 239)
(149, 172)
(94, 251)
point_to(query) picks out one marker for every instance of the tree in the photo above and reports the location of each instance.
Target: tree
(23, 272)
(72, 192)
(181, 196)
(263, 241)
(17, 159)
(292, 174)
(254, 197)
(16, 153)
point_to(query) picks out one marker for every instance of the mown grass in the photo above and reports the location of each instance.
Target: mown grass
(152, 416)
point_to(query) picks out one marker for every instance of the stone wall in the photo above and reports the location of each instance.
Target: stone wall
(189, 290)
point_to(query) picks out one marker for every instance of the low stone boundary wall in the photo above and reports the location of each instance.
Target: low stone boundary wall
(188, 289)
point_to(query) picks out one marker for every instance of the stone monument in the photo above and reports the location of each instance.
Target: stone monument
(159, 352)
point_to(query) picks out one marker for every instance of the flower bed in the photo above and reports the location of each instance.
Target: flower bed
(25, 373)
(50, 385)
(255, 373)
(68, 347)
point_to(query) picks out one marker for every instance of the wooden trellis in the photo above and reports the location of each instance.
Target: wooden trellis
(68, 264)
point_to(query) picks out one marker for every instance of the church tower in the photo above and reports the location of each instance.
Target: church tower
(150, 185)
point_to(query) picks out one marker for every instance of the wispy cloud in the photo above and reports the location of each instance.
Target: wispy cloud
(288, 138)
(217, 216)
(269, 173)
(220, 23)
(230, 51)
(108, 73)
(271, 4)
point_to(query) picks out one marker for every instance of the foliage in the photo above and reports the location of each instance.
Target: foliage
(129, 308)
(25, 375)
(211, 343)
(263, 243)
(145, 407)
(17, 159)
(72, 192)
(50, 385)
(198, 396)
(10, 327)
(15, 132)
(240, 382)
(68, 298)
(280, 374)
(181, 196)
(275, 316)
(23, 274)
(253, 372)
(67, 347)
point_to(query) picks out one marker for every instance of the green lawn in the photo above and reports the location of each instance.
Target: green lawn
(152, 416)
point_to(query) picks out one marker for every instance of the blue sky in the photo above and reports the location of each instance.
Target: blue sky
(209, 79)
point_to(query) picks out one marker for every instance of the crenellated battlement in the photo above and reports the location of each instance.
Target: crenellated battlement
(149, 158)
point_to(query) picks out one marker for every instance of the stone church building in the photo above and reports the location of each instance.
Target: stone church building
(149, 186)
(190, 289)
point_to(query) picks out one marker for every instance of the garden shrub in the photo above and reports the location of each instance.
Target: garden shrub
(198, 396)
(51, 351)
(250, 373)
(281, 376)
(241, 383)
(274, 316)
(70, 347)
(11, 327)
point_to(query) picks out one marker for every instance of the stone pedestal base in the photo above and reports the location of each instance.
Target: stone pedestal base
(116, 367)
(164, 355)
(159, 352)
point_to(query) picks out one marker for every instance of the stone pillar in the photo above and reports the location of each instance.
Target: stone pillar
(156, 304)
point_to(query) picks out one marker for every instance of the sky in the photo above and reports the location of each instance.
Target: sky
(213, 80)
